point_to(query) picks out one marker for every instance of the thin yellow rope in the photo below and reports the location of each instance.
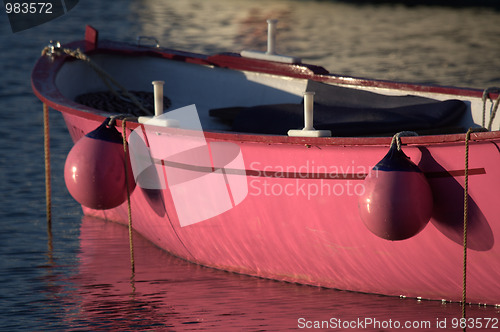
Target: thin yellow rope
(129, 205)
(48, 187)
(466, 203)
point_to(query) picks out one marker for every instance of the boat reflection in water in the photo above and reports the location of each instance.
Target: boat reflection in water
(167, 293)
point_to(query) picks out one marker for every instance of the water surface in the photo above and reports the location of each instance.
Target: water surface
(81, 280)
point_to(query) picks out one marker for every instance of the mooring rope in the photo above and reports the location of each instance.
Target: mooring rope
(78, 54)
(129, 205)
(106, 78)
(466, 203)
(466, 217)
(48, 187)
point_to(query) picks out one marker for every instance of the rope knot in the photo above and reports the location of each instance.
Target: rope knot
(396, 139)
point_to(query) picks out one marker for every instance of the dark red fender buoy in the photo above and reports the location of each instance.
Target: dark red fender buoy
(94, 170)
(397, 202)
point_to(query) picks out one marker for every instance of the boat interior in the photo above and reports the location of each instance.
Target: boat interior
(265, 104)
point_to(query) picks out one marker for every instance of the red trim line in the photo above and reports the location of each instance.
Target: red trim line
(304, 175)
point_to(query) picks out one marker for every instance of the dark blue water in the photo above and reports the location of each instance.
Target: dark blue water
(80, 280)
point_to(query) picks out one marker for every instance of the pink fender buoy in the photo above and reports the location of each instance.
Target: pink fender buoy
(94, 171)
(397, 201)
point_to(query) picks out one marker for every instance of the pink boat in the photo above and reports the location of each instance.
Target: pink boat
(261, 165)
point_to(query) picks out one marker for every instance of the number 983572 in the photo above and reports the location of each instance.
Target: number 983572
(28, 8)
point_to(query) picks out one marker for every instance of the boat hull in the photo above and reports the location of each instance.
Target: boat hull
(299, 221)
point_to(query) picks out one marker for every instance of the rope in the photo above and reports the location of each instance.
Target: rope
(466, 201)
(48, 187)
(493, 112)
(106, 78)
(78, 54)
(466, 216)
(129, 205)
(396, 139)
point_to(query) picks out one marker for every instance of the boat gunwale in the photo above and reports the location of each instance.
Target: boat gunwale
(46, 68)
